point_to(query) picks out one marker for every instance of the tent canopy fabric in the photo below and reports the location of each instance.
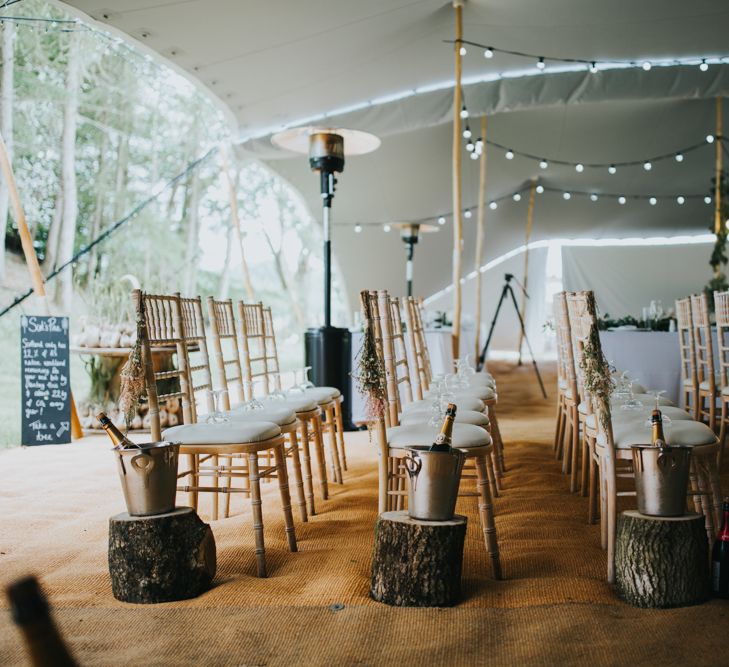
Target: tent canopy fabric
(386, 66)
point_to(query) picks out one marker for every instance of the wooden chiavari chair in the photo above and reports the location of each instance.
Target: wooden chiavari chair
(329, 399)
(615, 435)
(689, 380)
(255, 367)
(708, 393)
(473, 440)
(721, 308)
(165, 318)
(229, 374)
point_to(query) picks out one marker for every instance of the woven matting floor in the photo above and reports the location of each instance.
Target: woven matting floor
(553, 608)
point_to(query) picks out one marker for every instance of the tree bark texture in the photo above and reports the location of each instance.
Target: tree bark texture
(417, 563)
(661, 562)
(160, 558)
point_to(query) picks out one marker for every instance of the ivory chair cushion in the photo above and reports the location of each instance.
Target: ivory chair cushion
(465, 436)
(228, 433)
(462, 403)
(647, 401)
(322, 394)
(462, 417)
(619, 416)
(637, 387)
(481, 379)
(295, 403)
(282, 415)
(705, 383)
(634, 432)
(482, 393)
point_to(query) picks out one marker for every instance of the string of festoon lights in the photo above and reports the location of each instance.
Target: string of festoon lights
(566, 195)
(541, 62)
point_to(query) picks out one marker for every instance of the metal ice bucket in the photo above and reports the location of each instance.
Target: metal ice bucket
(661, 479)
(434, 481)
(148, 474)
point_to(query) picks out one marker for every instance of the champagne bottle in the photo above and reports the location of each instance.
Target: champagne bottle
(31, 614)
(443, 440)
(720, 558)
(117, 437)
(657, 437)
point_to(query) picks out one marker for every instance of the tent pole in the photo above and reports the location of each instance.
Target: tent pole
(457, 221)
(31, 259)
(717, 186)
(527, 236)
(235, 221)
(480, 234)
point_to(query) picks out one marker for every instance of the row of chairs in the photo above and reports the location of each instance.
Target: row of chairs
(403, 421)
(601, 434)
(226, 442)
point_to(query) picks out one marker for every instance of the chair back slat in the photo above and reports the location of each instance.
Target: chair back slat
(402, 366)
(721, 309)
(703, 340)
(252, 346)
(269, 340)
(417, 370)
(226, 356)
(565, 347)
(686, 343)
(421, 358)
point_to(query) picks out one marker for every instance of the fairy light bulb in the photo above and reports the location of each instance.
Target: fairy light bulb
(707, 200)
(579, 167)
(540, 63)
(612, 169)
(647, 166)
(464, 112)
(679, 157)
(463, 51)
(593, 197)
(386, 228)
(470, 146)
(474, 155)
(709, 138)
(479, 144)
(467, 213)
(621, 200)
(646, 66)
(441, 220)
(358, 228)
(488, 52)
(704, 65)
(543, 164)
(467, 133)
(593, 67)
(516, 197)
(540, 189)
(652, 201)
(493, 206)
(509, 155)
(680, 200)
(566, 195)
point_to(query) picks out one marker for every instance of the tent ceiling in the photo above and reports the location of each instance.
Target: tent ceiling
(271, 64)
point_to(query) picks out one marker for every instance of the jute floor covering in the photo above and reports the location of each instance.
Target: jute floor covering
(553, 608)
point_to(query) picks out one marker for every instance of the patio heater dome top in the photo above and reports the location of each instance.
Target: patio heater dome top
(298, 139)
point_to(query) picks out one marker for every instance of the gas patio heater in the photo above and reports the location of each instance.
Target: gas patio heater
(410, 234)
(328, 348)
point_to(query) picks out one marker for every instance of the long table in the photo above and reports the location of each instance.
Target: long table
(441, 359)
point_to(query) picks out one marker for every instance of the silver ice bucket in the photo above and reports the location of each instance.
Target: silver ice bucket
(434, 481)
(661, 479)
(148, 474)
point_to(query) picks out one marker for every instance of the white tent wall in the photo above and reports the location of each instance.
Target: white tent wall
(505, 340)
(627, 278)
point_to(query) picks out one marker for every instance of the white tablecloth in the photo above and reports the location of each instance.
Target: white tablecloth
(653, 358)
(441, 358)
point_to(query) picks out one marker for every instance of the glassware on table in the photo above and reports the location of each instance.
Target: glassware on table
(437, 387)
(277, 394)
(306, 383)
(622, 391)
(252, 403)
(632, 404)
(657, 393)
(215, 400)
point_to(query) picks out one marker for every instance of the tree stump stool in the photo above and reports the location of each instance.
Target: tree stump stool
(661, 562)
(417, 563)
(160, 558)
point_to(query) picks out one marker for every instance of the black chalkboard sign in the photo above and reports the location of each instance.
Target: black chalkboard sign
(46, 381)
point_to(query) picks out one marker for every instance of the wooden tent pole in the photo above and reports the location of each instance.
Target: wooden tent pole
(527, 236)
(717, 185)
(457, 213)
(235, 222)
(31, 259)
(479, 235)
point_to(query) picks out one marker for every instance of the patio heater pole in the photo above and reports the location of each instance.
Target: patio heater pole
(527, 236)
(457, 222)
(480, 234)
(26, 240)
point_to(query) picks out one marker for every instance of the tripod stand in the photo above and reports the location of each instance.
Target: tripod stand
(508, 289)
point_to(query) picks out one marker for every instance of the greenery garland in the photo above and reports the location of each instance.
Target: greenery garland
(370, 372)
(597, 378)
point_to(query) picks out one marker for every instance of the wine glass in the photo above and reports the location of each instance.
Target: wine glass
(215, 399)
(305, 382)
(632, 404)
(657, 393)
(277, 394)
(437, 388)
(253, 403)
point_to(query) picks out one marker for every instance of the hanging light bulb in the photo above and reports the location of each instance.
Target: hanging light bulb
(463, 51)
(593, 67)
(464, 112)
(358, 228)
(647, 166)
(479, 145)
(474, 155)
(470, 146)
(593, 197)
(540, 63)
(621, 200)
(540, 189)
(680, 200)
(441, 220)
(467, 133)
(488, 52)
(516, 197)
(386, 228)
(566, 195)
(579, 167)
(467, 213)
(646, 65)
(493, 206)
(652, 201)
(679, 157)
(543, 164)
(709, 138)
(509, 154)
(612, 169)
(707, 200)
(704, 65)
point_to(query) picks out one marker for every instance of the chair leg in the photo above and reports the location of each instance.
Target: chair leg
(399, 486)
(333, 452)
(603, 506)
(486, 514)
(193, 495)
(298, 481)
(612, 524)
(592, 501)
(575, 460)
(496, 437)
(283, 488)
(585, 473)
(216, 484)
(255, 484)
(559, 430)
(491, 472)
(308, 485)
(567, 446)
(340, 432)
(722, 433)
(320, 461)
(703, 488)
